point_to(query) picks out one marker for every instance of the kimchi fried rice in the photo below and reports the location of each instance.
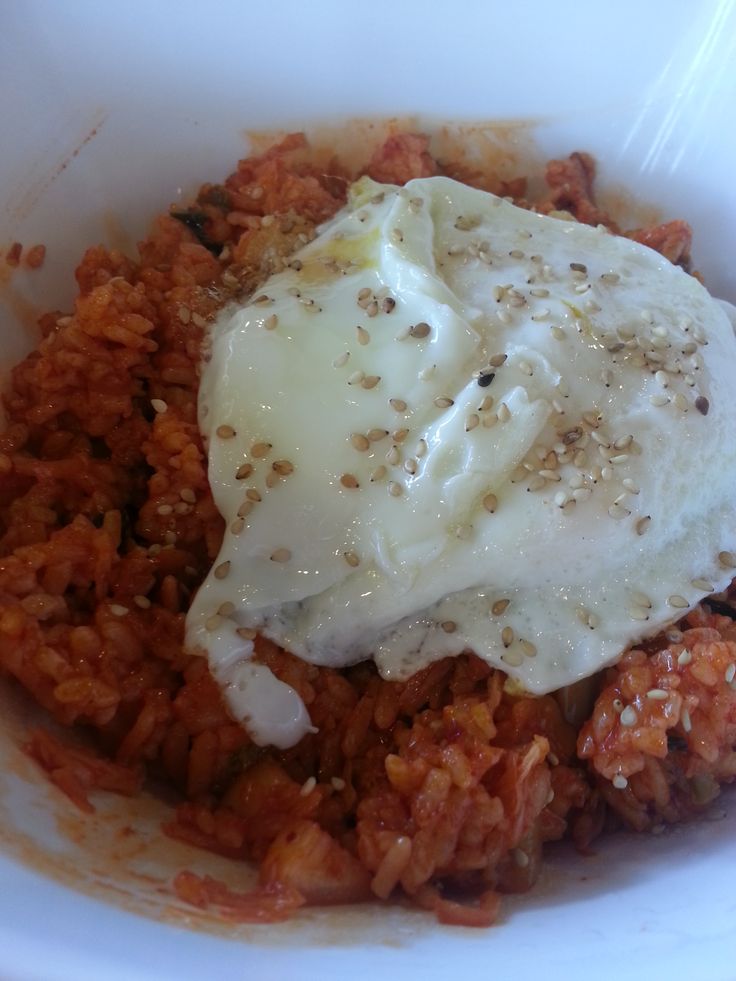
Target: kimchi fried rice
(442, 789)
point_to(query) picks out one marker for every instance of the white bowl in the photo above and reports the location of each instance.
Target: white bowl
(107, 117)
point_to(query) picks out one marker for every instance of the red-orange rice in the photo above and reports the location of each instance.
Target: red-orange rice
(442, 789)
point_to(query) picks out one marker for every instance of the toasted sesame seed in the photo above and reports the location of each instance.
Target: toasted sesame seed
(658, 694)
(158, 405)
(341, 360)
(641, 599)
(351, 558)
(359, 442)
(490, 503)
(271, 322)
(527, 647)
(370, 381)
(514, 658)
(449, 626)
(222, 570)
(350, 481)
(643, 524)
(378, 474)
(398, 405)
(610, 278)
(259, 450)
(142, 602)
(504, 413)
(164, 509)
(684, 658)
(225, 432)
(356, 378)
(581, 494)
(620, 782)
(702, 584)
(497, 360)
(410, 466)
(536, 482)
(421, 448)
(393, 457)
(284, 468)
(226, 609)
(443, 402)
(679, 602)
(253, 495)
(388, 303)
(237, 526)
(399, 435)
(280, 555)
(376, 435)
(363, 335)
(213, 622)
(500, 607)
(629, 716)
(118, 610)
(687, 724)
(727, 560)
(471, 422)
(702, 405)
(365, 294)
(507, 636)
(395, 489)
(420, 330)
(246, 633)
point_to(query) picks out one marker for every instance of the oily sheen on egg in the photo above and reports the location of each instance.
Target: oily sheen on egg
(452, 424)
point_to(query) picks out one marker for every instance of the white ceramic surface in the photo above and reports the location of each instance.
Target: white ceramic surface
(649, 88)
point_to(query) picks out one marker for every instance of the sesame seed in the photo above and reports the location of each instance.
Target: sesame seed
(687, 724)
(370, 381)
(657, 694)
(536, 483)
(643, 524)
(449, 626)
(410, 466)
(237, 526)
(504, 413)
(443, 402)
(359, 442)
(579, 267)
(188, 495)
(581, 494)
(641, 599)
(338, 783)
(225, 432)
(520, 857)
(259, 450)
(341, 360)
(164, 509)
(638, 613)
(158, 405)
(142, 602)
(376, 435)
(618, 705)
(490, 420)
(558, 333)
(727, 560)
(629, 716)
(246, 633)
(351, 558)
(395, 489)
(308, 786)
(226, 609)
(378, 474)
(118, 610)
(539, 292)
(497, 360)
(490, 503)
(500, 607)
(526, 368)
(363, 335)
(421, 448)
(397, 235)
(528, 648)
(471, 422)
(426, 373)
(630, 486)
(514, 658)
(388, 303)
(702, 584)
(420, 330)
(398, 405)
(681, 402)
(507, 636)
(730, 673)
(620, 782)
(400, 435)
(283, 468)
(222, 570)
(270, 323)
(350, 481)
(212, 623)
(702, 405)
(684, 658)
(253, 495)
(356, 378)
(610, 278)
(403, 333)
(679, 602)
(393, 457)
(280, 555)
(659, 400)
